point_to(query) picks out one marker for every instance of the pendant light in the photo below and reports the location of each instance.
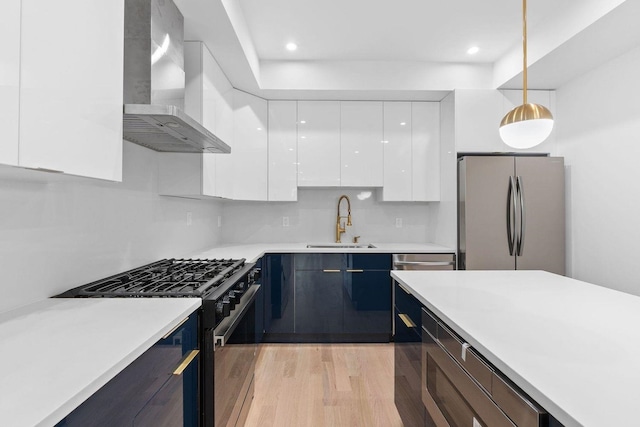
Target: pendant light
(527, 125)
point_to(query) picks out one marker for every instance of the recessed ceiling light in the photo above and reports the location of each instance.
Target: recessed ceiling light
(473, 50)
(291, 46)
(403, 123)
(303, 121)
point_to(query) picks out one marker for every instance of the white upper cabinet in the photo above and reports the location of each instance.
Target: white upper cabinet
(361, 144)
(411, 151)
(319, 143)
(249, 149)
(71, 83)
(9, 81)
(217, 99)
(209, 100)
(425, 142)
(397, 152)
(283, 153)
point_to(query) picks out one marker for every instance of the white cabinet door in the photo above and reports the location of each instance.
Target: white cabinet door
(425, 138)
(361, 144)
(224, 130)
(209, 100)
(318, 143)
(397, 184)
(71, 87)
(9, 81)
(411, 151)
(249, 151)
(218, 116)
(283, 169)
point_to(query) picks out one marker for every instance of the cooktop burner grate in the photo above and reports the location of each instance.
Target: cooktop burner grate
(167, 277)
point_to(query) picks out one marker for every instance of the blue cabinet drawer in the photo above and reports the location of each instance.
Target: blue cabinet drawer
(368, 261)
(316, 261)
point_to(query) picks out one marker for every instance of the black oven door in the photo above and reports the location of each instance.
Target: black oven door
(231, 364)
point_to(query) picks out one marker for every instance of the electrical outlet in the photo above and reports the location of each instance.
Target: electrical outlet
(219, 221)
(189, 219)
(285, 221)
(398, 222)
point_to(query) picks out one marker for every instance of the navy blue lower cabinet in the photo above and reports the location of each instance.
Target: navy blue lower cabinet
(408, 359)
(319, 304)
(277, 278)
(156, 389)
(331, 297)
(367, 305)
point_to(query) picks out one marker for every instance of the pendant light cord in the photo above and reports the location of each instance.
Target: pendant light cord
(524, 52)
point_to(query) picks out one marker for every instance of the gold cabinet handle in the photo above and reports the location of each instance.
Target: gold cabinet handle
(175, 328)
(355, 271)
(407, 320)
(403, 288)
(185, 362)
(331, 271)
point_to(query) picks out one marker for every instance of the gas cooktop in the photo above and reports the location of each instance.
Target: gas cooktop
(165, 278)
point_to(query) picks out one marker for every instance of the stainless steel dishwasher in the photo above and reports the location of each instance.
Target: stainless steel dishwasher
(424, 262)
(421, 262)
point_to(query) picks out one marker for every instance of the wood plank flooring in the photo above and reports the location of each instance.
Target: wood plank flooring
(324, 385)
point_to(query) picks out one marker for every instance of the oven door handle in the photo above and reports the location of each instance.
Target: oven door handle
(224, 330)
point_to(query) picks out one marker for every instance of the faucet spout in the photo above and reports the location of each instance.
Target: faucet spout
(340, 228)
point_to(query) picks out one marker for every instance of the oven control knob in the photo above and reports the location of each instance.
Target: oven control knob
(235, 296)
(222, 309)
(228, 301)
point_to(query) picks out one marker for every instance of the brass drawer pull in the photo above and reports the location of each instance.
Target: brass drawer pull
(168, 334)
(403, 288)
(406, 320)
(331, 271)
(185, 362)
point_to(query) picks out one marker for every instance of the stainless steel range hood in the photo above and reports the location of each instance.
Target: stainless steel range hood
(154, 82)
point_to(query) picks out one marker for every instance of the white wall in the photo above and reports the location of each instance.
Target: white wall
(599, 136)
(58, 232)
(443, 216)
(313, 219)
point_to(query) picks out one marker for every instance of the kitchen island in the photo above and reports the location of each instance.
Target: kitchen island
(570, 345)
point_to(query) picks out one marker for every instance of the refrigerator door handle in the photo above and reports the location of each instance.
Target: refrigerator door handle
(520, 191)
(511, 226)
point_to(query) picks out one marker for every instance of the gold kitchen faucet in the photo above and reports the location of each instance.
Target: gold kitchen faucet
(339, 227)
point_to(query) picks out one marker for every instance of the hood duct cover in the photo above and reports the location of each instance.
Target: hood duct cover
(154, 82)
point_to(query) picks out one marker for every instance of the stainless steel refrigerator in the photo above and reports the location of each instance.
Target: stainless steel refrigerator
(511, 213)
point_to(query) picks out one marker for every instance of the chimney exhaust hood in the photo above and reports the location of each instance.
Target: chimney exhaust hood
(154, 82)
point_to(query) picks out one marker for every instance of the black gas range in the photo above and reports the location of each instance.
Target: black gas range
(219, 282)
(227, 325)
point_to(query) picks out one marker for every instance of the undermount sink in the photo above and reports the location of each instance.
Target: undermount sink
(341, 245)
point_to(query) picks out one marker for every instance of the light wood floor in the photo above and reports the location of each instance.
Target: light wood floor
(324, 385)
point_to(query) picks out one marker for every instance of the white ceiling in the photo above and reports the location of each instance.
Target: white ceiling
(405, 49)
(387, 30)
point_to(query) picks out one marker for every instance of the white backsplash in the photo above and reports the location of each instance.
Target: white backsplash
(312, 219)
(59, 231)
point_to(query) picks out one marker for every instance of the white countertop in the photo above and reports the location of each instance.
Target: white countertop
(254, 251)
(572, 346)
(57, 352)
